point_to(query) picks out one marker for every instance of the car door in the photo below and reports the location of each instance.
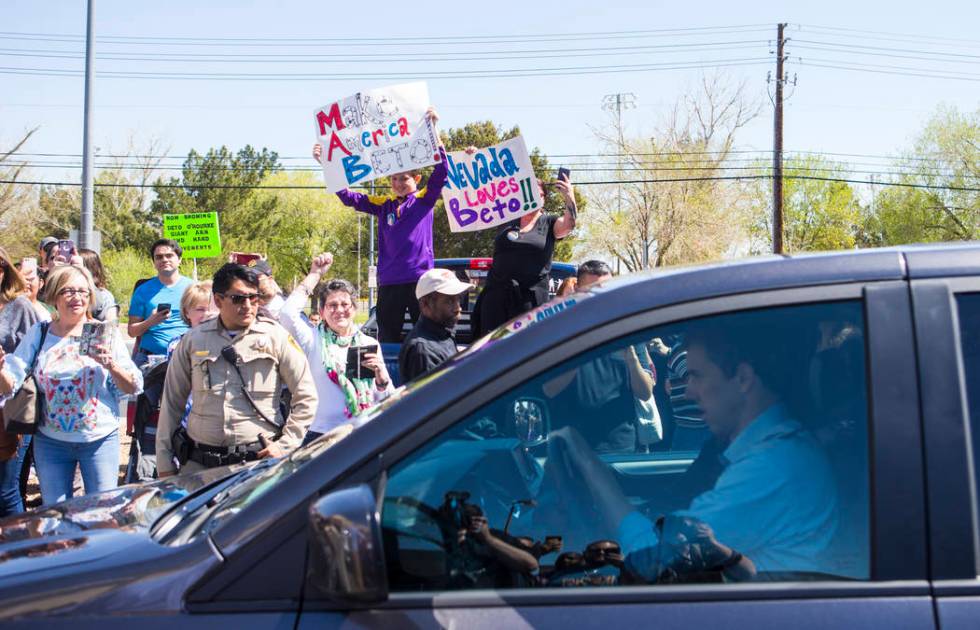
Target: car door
(532, 504)
(947, 327)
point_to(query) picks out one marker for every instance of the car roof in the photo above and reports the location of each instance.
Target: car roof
(810, 269)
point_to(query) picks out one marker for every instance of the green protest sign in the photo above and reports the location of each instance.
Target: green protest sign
(197, 233)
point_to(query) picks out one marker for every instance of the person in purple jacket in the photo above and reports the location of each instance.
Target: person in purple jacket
(404, 238)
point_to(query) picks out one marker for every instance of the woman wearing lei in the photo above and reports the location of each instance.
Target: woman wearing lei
(342, 399)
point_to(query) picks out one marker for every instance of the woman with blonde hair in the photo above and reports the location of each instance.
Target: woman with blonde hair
(80, 426)
(17, 315)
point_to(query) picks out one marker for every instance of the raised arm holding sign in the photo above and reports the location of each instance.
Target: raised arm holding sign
(377, 133)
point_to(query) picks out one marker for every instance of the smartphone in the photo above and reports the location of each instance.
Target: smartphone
(163, 307)
(94, 334)
(553, 541)
(66, 248)
(240, 258)
(563, 173)
(355, 355)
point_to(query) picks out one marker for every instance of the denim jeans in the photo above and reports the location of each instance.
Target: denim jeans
(55, 461)
(10, 500)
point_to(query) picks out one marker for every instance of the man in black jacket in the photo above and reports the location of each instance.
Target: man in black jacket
(431, 342)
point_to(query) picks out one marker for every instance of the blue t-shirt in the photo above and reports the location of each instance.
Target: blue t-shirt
(145, 300)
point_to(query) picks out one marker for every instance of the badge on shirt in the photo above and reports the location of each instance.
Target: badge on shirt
(262, 344)
(202, 353)
(391, 218)
(294, 343)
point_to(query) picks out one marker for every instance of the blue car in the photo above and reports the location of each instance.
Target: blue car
(783, 442)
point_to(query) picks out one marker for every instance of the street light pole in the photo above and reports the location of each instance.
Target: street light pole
(85, 236)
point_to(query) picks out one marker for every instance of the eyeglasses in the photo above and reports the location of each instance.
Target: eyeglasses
(72, 292)
(238, 299)
(339, 306)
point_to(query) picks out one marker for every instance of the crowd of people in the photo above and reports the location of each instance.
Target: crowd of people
(235, 369)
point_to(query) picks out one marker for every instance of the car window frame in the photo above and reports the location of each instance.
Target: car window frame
(953, 502)
(887, 310)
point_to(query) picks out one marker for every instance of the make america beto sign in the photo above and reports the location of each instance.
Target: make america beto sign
(490, 187)
(375, 133)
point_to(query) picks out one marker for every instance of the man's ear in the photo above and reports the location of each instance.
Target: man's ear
(745, 376)
(418, 179)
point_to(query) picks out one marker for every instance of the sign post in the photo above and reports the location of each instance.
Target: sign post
(196, 233)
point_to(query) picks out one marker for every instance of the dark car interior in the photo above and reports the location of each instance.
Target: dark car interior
(517, 473)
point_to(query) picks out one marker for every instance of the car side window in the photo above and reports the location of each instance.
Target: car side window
(968, 310)
(723, 449)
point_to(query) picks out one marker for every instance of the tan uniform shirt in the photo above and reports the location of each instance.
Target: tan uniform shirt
(220, 413)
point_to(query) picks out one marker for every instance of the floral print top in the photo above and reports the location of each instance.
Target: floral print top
(81, 399)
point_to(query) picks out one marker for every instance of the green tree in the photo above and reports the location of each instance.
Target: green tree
(945, 156)
(303, 222)
(223, 182)
(818, 215)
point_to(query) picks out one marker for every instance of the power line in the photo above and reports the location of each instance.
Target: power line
(851, 47)
(386, 41)
(579, 183)
(380, 57)
(863, 34)
(908, 72)
(430, 75)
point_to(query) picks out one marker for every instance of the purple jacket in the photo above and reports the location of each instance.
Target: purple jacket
(404, 227)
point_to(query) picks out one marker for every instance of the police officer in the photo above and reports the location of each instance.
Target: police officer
(232, 366)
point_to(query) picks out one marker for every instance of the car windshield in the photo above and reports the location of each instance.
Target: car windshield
(202, 513)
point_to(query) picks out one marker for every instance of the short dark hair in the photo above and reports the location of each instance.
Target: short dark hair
(166, 242)
(228, 273)
(332, 286)
(751, 338)
(593, 268)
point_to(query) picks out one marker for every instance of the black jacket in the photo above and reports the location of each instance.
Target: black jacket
(424, 349)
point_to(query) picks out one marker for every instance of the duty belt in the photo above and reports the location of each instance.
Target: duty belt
(214, 456)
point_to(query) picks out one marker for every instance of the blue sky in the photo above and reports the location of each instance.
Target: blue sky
(832, 110)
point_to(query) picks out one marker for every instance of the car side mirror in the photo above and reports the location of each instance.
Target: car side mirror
(531, 421)
(347, 555)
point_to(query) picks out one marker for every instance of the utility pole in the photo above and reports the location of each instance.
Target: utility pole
(777, 147)
(617, 103)
(88, 217)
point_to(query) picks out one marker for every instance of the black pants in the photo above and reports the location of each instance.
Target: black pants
(393, 299)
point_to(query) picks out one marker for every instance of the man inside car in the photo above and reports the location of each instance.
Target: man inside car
(773, 508)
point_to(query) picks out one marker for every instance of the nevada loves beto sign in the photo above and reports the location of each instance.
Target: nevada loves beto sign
(491, 187)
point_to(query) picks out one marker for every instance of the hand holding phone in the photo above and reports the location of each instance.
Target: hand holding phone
(66, 249)
(564, 174)
(163, 307)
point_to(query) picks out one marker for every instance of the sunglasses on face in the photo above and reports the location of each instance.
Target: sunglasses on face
(238, 298)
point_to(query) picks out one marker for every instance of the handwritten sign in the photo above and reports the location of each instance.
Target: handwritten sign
(374, 134)
(197, 233)
(491, 187)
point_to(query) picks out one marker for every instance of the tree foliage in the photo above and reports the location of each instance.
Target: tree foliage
(818, 215)
(946, 156)
(673, 210)
(223, 182)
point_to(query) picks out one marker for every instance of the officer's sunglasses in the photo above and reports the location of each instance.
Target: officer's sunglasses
(238, 299)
